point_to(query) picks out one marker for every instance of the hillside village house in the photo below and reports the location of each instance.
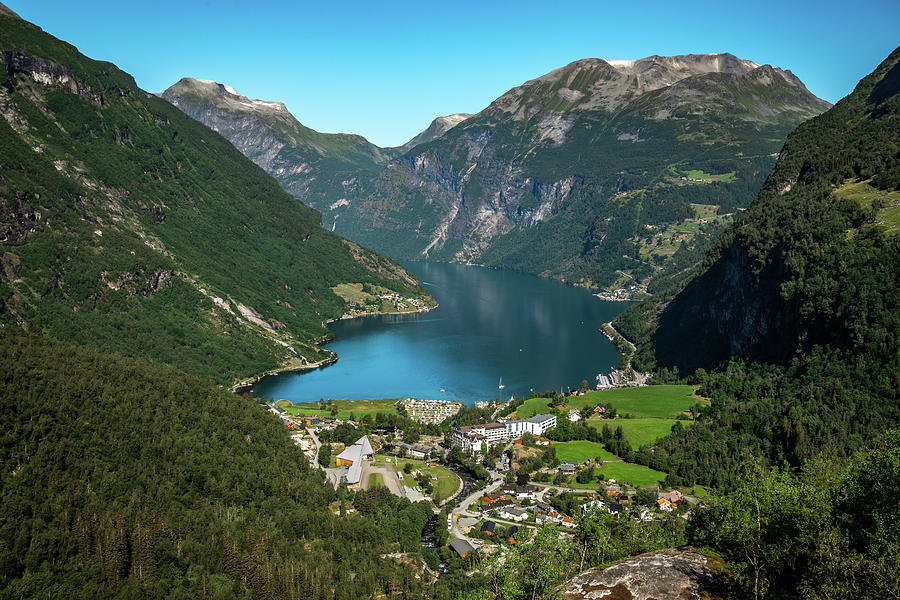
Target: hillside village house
(413, 450)
(470, 438)
(513, 514)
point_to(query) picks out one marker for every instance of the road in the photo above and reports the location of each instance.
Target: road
(318, 444)
(462, 509)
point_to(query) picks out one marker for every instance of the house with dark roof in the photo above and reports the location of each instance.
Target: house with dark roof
(513, 514)
(501, 504)
(461, 547)
(525, 492)
(488, 527)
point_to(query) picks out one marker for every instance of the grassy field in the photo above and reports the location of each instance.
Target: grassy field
(639, 431)
(866, 195)
(444, 486)
(345, 407)
(353, 293)
(658, 401)
(705, 211)
(636, 475)
(376, 480)
(698, 174)
(533, 407)
(581, 451)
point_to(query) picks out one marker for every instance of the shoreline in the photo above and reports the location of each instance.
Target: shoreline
(247, 383)
(378, 314)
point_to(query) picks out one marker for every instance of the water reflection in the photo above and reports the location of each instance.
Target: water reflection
(533, 332)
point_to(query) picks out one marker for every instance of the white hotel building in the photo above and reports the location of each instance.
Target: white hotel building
(471, 437)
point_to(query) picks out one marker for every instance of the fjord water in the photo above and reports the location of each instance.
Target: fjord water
(534, 333)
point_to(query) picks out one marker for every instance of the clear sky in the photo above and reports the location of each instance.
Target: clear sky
(385, 69)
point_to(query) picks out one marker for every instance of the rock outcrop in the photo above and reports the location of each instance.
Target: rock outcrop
(665, 575)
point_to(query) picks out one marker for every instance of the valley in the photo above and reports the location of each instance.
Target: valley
(630, 330)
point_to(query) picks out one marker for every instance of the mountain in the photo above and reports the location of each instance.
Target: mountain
(314, 167)
(600, 172)
(792, 324)
(128, 226)
(438, 127)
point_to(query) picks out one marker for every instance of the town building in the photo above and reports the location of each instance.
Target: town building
(353, 458)
(413, 450)
(512, 513)
(461, 547)
(471, 437)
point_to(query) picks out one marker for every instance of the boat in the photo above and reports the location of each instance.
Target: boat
(501, 386)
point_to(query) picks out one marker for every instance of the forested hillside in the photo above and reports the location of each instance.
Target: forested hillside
(126, 479)
(130, 227)
(798, 307)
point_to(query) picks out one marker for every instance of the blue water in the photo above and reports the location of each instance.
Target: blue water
(535, 333)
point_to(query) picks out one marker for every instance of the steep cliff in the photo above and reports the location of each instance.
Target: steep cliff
(594, 170)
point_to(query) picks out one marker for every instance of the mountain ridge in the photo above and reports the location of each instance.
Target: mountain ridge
(118, 213)
(528, 170)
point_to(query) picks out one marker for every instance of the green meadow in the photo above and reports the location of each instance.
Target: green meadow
(656, 401)
(582, 451)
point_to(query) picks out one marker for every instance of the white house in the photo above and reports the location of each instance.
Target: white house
(513, 514)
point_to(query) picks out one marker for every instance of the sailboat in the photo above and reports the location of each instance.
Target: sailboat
(501, 386)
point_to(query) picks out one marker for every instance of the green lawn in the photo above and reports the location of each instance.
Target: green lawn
(639, 431)
(581, 451)
(345, 407)
(446, 483)
(658, 401)
(376, 480)
(636, 475)
(699, 491)
(532, 407)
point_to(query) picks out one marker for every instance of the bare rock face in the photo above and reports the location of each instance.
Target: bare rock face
(665, 575)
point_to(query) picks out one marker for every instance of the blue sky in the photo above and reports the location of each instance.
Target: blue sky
(385, 69)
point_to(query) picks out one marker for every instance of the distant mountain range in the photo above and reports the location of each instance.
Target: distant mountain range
(128, 226)
(601, 173)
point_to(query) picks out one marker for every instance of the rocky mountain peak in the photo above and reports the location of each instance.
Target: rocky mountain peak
(438, 127)
(599, 84)
(219, 95)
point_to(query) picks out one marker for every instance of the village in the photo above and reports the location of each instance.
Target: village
(526, 479)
